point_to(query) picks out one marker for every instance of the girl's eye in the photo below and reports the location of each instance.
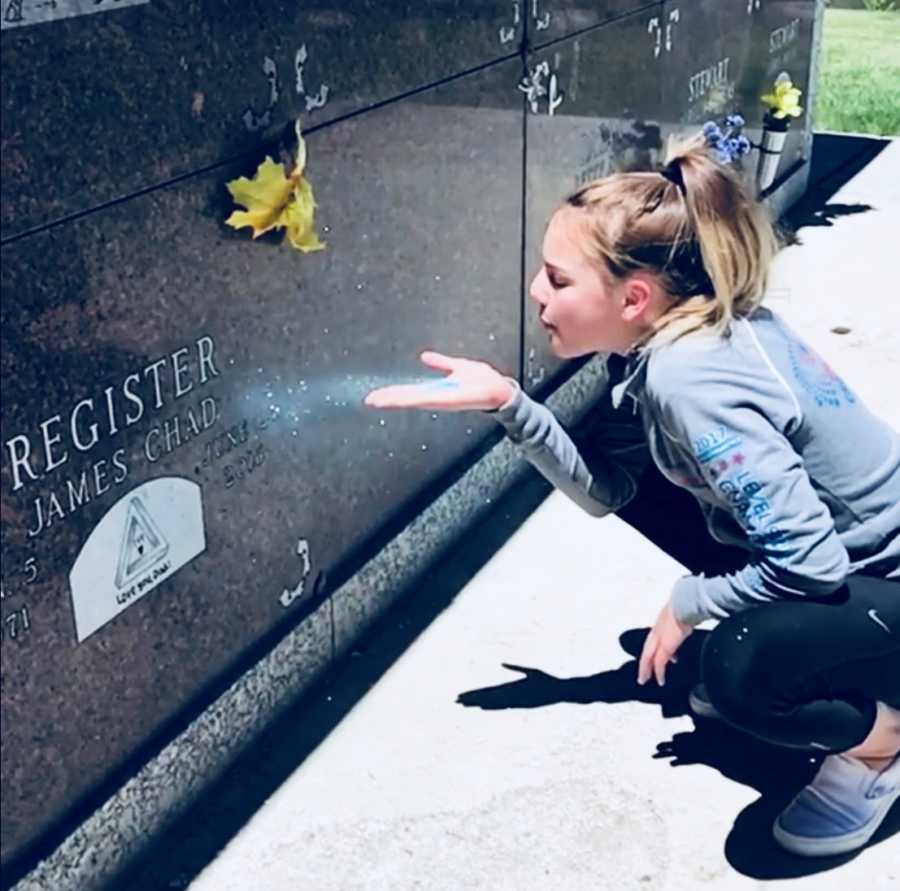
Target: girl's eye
(555, 283)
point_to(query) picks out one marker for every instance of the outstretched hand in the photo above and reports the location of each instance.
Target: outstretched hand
(469, 386)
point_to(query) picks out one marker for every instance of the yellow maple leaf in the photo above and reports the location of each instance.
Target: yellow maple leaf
(265, 196)
(275, 201)
(299, 219)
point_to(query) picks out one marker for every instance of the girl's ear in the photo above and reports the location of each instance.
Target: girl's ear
(638, 296)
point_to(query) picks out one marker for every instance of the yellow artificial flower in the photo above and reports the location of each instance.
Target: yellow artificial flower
(276, 201)
(784, 100)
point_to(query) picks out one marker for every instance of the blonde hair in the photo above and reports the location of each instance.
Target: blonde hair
(693, 225)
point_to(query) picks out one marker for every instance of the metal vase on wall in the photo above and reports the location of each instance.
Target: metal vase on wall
(770, 149)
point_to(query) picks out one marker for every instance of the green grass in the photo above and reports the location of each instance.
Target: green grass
(859, 73)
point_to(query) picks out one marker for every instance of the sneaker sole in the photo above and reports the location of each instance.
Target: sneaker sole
(702, 708)
(838, 844)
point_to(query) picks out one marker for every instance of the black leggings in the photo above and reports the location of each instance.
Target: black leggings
(807, 674)
(804, 673)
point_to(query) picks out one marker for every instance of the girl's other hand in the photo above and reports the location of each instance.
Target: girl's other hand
(662, 643)
(469, 386)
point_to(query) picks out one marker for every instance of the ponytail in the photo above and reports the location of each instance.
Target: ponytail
(692, 224)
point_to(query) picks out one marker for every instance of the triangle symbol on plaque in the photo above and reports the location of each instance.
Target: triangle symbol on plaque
(142, 544)
(14, 12)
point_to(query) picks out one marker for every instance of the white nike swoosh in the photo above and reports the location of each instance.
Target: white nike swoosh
(873, 615)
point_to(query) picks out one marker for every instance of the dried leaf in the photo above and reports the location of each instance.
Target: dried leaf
(275, 201)
(299, 219)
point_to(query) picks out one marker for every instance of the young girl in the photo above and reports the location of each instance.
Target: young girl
(668, 269)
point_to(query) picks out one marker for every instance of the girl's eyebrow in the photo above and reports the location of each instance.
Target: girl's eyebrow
(552, 267)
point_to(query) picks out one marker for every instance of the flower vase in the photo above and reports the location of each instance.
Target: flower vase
(770, 150)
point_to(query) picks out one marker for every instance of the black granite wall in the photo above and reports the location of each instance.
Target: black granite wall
(186, 465)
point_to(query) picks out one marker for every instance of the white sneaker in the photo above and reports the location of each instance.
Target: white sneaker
(840, 810)
(698, 700)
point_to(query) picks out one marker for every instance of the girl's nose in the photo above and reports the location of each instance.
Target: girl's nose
(537, 290)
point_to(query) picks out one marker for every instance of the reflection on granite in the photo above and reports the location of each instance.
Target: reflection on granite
(781, 41)
(103, 845)
(159, 344)
(727, 56)
(704, 52)
(92, 856)
(549, 20)
(607, 105)
(372, 590)
(99, 106)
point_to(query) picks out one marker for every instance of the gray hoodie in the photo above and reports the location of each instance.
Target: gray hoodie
(782, 456)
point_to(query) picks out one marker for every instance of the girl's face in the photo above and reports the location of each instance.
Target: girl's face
(582, 309)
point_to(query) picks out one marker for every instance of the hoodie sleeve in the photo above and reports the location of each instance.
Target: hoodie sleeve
(600, 474)
(745, 459)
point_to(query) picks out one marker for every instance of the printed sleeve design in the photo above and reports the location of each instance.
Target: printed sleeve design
(600, 475)
(754, 473)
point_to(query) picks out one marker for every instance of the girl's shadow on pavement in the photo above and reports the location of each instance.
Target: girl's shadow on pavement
(776, 773)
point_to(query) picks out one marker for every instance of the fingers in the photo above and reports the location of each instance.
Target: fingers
(654, 661)
(439, 361)
(660, 661)
(403, 396)
(412, 395)
(647, 654)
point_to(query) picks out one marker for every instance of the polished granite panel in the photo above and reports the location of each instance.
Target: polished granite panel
(594, 108)
(704, 54)
(549, 20)
(95, 107)
(184, 445)
(92, 858)
(781, 41)
(721, 56)
(398, 569)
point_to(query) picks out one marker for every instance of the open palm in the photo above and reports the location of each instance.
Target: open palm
(470, 385)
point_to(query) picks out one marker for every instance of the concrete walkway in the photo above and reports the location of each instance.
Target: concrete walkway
(492, 735)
